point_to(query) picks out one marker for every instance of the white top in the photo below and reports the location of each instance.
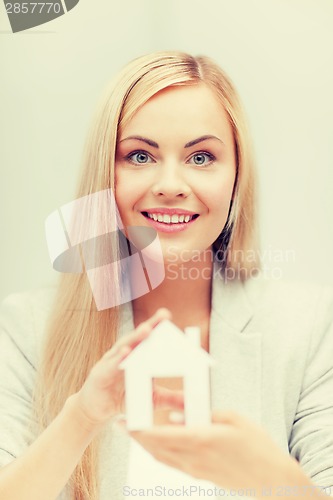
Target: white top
(273, 344)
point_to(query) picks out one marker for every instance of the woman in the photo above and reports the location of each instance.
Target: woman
(170, 140)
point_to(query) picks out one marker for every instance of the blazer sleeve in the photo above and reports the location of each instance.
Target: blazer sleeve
(17, 377)
(311, 440)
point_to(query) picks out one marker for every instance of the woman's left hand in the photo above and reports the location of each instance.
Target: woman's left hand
(232, 453)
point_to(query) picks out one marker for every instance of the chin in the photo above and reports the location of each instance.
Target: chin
(173, 254)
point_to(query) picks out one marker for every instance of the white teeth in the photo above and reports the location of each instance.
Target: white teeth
(167, 219)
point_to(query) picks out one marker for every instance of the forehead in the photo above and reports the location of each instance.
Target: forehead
(185, 109)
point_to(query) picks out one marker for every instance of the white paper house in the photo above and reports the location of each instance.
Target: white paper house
(168, 352)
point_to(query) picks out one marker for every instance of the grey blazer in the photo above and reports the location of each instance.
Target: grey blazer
(273, 342)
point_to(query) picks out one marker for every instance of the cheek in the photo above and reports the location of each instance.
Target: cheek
(123, 202)
(131, 185)
(126, 192)
(217, 196)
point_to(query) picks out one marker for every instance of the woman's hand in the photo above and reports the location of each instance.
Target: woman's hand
(102, 395)
(232, 453)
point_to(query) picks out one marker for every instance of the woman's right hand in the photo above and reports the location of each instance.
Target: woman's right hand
(102, 395)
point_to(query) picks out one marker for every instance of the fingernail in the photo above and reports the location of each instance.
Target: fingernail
(176, 417)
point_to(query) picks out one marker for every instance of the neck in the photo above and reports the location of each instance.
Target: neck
(185, 291)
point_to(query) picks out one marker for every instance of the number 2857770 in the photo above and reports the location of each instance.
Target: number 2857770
(33, 8)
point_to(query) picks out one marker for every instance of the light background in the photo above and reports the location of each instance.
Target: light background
(279, 53)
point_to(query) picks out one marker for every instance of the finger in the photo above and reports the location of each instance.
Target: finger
(165, 435)
(161, 313)
(228, 417)
(167, 398)
(107, 369)
(140, 333)
(177, 418)
(147, 326)
(164, 443)
(117, 356)
(169, 457)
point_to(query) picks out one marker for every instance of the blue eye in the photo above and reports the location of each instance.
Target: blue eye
(139, 157)
(200, 158)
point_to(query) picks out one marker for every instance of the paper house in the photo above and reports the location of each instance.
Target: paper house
(168, 352)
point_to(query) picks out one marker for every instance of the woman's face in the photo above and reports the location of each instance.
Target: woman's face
(176, 161)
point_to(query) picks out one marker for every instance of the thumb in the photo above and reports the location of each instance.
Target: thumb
(226, 417)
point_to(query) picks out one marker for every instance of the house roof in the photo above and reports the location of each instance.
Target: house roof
(167, 348)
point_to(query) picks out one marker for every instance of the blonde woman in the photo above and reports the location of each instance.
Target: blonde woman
(170, 140)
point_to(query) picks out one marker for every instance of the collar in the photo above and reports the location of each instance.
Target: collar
(230, 300)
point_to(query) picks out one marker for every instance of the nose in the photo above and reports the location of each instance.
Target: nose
(170, 182)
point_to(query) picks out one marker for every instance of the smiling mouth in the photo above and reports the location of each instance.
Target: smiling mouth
(170, 219)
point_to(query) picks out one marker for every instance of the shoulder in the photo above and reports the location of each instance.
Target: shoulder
(271, 302)
(288, 296)
(300, 312)
(260, 295)
(286, 293)
(23, 318)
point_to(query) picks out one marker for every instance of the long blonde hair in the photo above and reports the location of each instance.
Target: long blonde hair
(78, 334)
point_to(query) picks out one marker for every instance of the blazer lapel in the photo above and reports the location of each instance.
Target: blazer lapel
(236, 377)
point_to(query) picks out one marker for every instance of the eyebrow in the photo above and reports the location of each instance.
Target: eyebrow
(155, 145)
